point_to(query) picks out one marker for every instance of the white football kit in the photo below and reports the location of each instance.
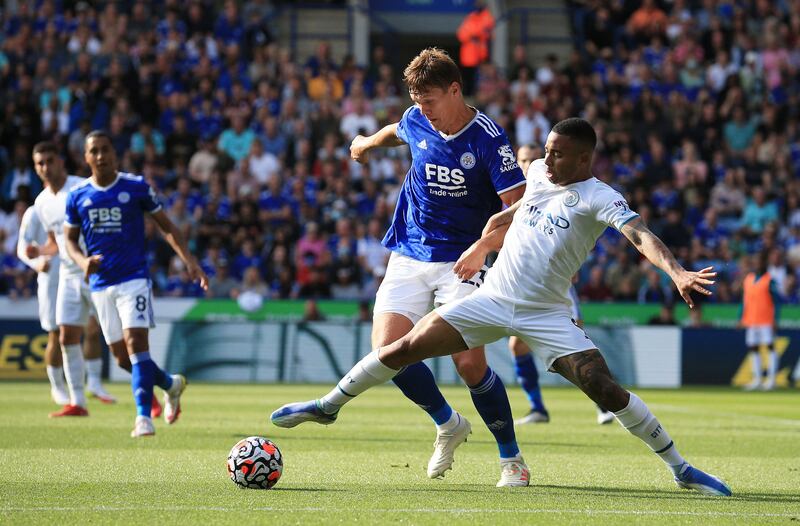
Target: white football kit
(74, 300)
(526, 292)
(31, 231)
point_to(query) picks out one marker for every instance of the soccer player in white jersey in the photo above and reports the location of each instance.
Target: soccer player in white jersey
(108, 211)
(525, 366)
(463, 170)
(73, 302)
(545, 238)
(32, 234)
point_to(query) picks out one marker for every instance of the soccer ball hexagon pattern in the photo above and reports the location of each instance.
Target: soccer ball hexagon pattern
(255, 462)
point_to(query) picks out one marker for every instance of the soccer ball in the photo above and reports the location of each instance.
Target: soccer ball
(255, 462)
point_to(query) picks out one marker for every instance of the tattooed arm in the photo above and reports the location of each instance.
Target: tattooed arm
(659, 255)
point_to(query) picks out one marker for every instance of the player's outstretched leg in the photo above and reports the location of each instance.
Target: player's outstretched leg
(491, 400)
(528, 377)
(588, 370)
(367, 373)
(120, 352)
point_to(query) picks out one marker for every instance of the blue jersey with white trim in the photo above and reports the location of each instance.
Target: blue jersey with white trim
(452, 187)
(111, 220)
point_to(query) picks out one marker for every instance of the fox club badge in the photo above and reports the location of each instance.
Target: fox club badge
(467, 160)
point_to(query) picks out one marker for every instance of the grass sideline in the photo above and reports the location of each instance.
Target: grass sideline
(369, 468)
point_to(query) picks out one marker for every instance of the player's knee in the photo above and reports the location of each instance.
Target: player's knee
(471, 371)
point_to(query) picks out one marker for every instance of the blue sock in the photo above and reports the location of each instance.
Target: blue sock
(142, 374)
(529, 380)
(417, 383)
(491, 401)
(162, 379)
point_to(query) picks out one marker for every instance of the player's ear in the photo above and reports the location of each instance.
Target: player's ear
(455, 88)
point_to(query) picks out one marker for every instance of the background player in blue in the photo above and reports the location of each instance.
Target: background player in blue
(108, 209)
(463, 170)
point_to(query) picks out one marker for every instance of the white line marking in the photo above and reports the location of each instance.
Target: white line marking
(406, 510)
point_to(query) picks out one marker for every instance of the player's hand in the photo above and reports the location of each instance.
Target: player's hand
(44, 265)
(471, 261)
(197, 274)
(694, 281)
(92, 265)
(359, 149)
(32, 251)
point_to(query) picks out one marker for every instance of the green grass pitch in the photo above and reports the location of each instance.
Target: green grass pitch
(369, 468)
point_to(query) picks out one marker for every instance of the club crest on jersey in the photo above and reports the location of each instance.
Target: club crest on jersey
(571, 198)
(509, 160)
(467, 160)
(123, 197)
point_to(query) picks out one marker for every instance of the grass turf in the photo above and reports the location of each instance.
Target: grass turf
(370, 466)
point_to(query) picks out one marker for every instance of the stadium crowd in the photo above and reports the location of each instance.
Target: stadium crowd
(695, 104)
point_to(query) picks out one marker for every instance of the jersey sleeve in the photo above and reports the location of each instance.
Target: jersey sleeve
(403, 125)
(30, 230)
(150, 202)
(611, 208)
(501, 163)
(72, 218)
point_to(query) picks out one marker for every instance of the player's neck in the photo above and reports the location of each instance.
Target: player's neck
(57, 184)
(104, 180)
(462, 119)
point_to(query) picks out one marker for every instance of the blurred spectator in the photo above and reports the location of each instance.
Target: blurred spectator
(665, 316)
(654, 290)
(474, 34)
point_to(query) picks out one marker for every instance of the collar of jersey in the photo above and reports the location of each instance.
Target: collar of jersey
(459, 132)
(103, 188)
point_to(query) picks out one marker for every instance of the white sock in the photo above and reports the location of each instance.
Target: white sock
(755, 358)
(56, 376)
(367, 373)
(73, 370)
(772, 368)
(451, 423)
(638, 419)
(94, 369)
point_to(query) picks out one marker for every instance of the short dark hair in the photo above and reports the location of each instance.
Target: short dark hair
(577, 129)
(96, 134)
(432, 68)
(45, 147)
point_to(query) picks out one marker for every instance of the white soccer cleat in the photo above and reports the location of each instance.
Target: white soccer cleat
(445, 445)
(59, 396)
(767, 385)
(604, 417)
(143, 427)
(752, 386)
(514, 473)
(533, 417)
(172, 399)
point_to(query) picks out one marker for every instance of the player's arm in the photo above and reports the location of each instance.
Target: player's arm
(89, 264)
(178, 244)
(491, 240)
(385, 137)
(657, 252)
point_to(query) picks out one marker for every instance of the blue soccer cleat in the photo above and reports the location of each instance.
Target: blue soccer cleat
(290, 415)
(693, 478)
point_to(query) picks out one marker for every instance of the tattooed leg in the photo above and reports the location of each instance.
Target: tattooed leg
(589, 372)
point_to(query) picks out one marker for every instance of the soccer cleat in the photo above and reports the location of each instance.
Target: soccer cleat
(604, 417)
(59, 396)
(445, 445)
(534, 417)
(693, 478)
(102, 395)
(514, 472)
(752, 386)
(143, 427)
(172, 399)
(291, 415)
(70, 410)
(155, 408)
(767, 385)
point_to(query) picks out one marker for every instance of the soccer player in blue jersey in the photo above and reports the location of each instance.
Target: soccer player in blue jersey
(108, 210)
(463, 171)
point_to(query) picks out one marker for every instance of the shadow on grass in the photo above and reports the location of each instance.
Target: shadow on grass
(749, 496)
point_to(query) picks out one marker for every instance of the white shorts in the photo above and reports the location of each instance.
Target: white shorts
(412, 288)
(47, 293)
(126, 305)
(74, 303)
(550, 332)
(759, 335)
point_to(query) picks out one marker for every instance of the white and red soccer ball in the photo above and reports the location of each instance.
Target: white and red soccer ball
(255, 462)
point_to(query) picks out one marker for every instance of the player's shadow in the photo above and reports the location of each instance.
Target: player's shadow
(283, 488)
(749, 496)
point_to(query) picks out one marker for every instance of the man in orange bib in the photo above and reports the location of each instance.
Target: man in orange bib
(760, 301)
